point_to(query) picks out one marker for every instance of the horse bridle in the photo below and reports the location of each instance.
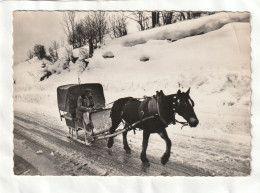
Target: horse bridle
(176, 101)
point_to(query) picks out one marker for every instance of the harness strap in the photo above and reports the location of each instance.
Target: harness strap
(141, 117)
(183, 123)
(159, 113)
(129, 127)
(132, 98)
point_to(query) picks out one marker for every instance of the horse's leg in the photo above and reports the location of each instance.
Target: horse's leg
(126, 146)
(69, 131)
(166, 155)
(146, 135)
(72, 132)
(111, 139)
(77, 132)
(115, 115)
(115, 122)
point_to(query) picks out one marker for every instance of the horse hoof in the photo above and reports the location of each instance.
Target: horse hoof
(146, 164)
(110, 143)
(164, 159)
(128, 151)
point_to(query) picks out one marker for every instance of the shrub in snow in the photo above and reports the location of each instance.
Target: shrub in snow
(53, 50)
(53, 55)
(108, 54)
(144, 58)
(74, 59)
(65, 53)
(58, 66)
(39, 51)
(48, 57)
(46, 75)
(43, 65)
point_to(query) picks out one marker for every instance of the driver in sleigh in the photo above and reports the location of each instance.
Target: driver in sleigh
(85, 105)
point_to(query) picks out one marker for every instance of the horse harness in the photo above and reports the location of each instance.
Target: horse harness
(175, 102)
(144, 110)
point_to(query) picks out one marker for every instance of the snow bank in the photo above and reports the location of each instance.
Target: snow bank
(183, 29)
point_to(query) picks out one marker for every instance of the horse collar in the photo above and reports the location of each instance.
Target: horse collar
(174, 103)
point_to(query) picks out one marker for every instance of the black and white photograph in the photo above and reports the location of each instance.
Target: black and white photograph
(131, 93)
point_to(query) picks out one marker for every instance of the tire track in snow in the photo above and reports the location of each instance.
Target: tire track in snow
(98, 158)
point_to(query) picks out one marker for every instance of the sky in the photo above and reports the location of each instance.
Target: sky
(35, 27)
(41, 27)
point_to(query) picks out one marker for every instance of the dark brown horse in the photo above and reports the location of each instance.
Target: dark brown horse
(162, 108)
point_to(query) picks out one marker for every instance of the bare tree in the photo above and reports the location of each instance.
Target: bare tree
(68, 54)
(80, 35)
(155, 18)
(117, 26)
(69, 26)
(182, 16)
(100, 25)
(167, 17)
(141, 18)
(90, 32)
(95, 29)
(55, 45)
(53, 50)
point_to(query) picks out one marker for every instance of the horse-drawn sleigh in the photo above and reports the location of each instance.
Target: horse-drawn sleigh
(150, 114)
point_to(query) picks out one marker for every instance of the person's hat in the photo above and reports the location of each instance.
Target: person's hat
(88, 90)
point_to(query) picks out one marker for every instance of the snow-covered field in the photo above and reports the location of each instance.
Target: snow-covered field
(214, 64)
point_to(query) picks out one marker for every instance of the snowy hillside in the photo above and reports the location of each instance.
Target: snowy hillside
(214, 62)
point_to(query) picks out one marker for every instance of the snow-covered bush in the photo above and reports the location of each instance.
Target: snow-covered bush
(58, 66)
(81, 53)
(144, 58)
(53, 54)
(108, 54)
(39, 51)
(46, 75)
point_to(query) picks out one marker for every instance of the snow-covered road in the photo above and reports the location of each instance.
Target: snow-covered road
(191, 156)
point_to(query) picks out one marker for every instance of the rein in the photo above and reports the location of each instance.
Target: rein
(183, 123)
(117, 99)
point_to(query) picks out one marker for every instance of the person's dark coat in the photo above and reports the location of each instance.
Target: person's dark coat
(84, 104)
